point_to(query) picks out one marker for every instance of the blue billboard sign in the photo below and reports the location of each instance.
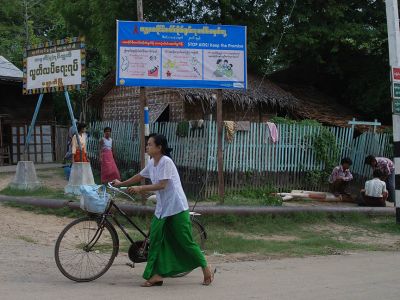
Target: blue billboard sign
(181, 55)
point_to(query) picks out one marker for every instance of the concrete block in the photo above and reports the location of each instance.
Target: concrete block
(25, 177)
(81, 174)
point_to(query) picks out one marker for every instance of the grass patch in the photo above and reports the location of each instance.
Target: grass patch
(26, 239)
(256, 234)
(249, 196)
(60, 212)
(312, 245)
(44, 192)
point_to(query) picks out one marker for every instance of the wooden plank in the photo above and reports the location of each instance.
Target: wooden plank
(293, 147)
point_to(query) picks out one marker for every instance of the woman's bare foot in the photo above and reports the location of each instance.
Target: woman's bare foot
(208, 273)
(155, 280)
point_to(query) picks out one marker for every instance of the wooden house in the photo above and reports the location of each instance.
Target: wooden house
(16, 111)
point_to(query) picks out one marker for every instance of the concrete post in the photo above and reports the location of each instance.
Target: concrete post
(81, 174)
(25, 177)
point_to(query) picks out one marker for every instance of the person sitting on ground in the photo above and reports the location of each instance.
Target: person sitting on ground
(374, 193)
(340, 178)
(386, 166)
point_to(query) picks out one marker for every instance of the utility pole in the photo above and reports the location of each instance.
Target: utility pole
(26, 23)
(142, 99)
(220, 154)
(392, 17)
(143, 104)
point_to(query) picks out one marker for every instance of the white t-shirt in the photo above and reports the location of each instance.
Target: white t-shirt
(107, 144)
(375, 188)
(172, 199)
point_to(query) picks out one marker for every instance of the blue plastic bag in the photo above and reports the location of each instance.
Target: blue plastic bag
(67, 172)
(94, 198)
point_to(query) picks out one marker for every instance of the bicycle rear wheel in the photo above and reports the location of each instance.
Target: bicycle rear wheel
(198, 233)
(86, 249)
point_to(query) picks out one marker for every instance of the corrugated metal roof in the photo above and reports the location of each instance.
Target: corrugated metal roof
(8, 70)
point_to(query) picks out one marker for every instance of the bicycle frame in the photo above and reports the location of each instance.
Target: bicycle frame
(123, 214)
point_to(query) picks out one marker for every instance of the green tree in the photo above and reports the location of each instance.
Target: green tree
(339, 46)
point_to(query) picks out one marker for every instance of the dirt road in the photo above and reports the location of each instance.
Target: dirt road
(28, 271)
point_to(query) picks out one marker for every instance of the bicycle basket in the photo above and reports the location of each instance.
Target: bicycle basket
(94, 198)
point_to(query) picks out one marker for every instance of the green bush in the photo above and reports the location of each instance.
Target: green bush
(264, 196)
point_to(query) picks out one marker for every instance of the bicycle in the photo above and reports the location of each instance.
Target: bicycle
(86, 248)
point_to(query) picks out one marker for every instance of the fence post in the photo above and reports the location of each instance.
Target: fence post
(221, 190)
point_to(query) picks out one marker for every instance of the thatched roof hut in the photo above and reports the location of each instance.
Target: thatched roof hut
(262, 100)
(260, 91)
(258, 103)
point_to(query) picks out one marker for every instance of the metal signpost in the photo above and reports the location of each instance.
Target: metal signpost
(54, 67)
(180, 55)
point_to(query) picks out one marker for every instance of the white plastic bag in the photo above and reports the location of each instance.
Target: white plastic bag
(94, 198)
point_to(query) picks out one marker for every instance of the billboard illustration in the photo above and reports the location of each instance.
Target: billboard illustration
(54, 66)
(181, 55)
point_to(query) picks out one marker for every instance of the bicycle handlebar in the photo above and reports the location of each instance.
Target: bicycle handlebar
(120, 190)
(110, 186)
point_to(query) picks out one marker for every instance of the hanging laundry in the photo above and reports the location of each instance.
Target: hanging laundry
(196, 124)
(273, 132)
(182, 130)
(230, 129)
(242, 125)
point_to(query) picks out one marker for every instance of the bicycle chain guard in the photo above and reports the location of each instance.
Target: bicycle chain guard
(138, 251)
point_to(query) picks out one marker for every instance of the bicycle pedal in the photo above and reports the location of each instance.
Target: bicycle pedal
(132, 265)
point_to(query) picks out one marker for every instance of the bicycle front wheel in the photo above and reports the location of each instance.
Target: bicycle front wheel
(86, 249)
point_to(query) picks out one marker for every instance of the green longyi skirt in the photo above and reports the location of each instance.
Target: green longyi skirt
(172, 250)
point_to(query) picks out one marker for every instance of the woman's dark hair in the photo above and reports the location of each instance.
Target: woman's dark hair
(346, 160)
(81, 126)
(161, 140)
(369, 159)
(152, 134)
(107, 129)
(377, 173)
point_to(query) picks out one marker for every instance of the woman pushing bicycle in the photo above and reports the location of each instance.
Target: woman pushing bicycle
(172, 250)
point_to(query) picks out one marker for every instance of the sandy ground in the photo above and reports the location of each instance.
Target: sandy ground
(28, 271)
